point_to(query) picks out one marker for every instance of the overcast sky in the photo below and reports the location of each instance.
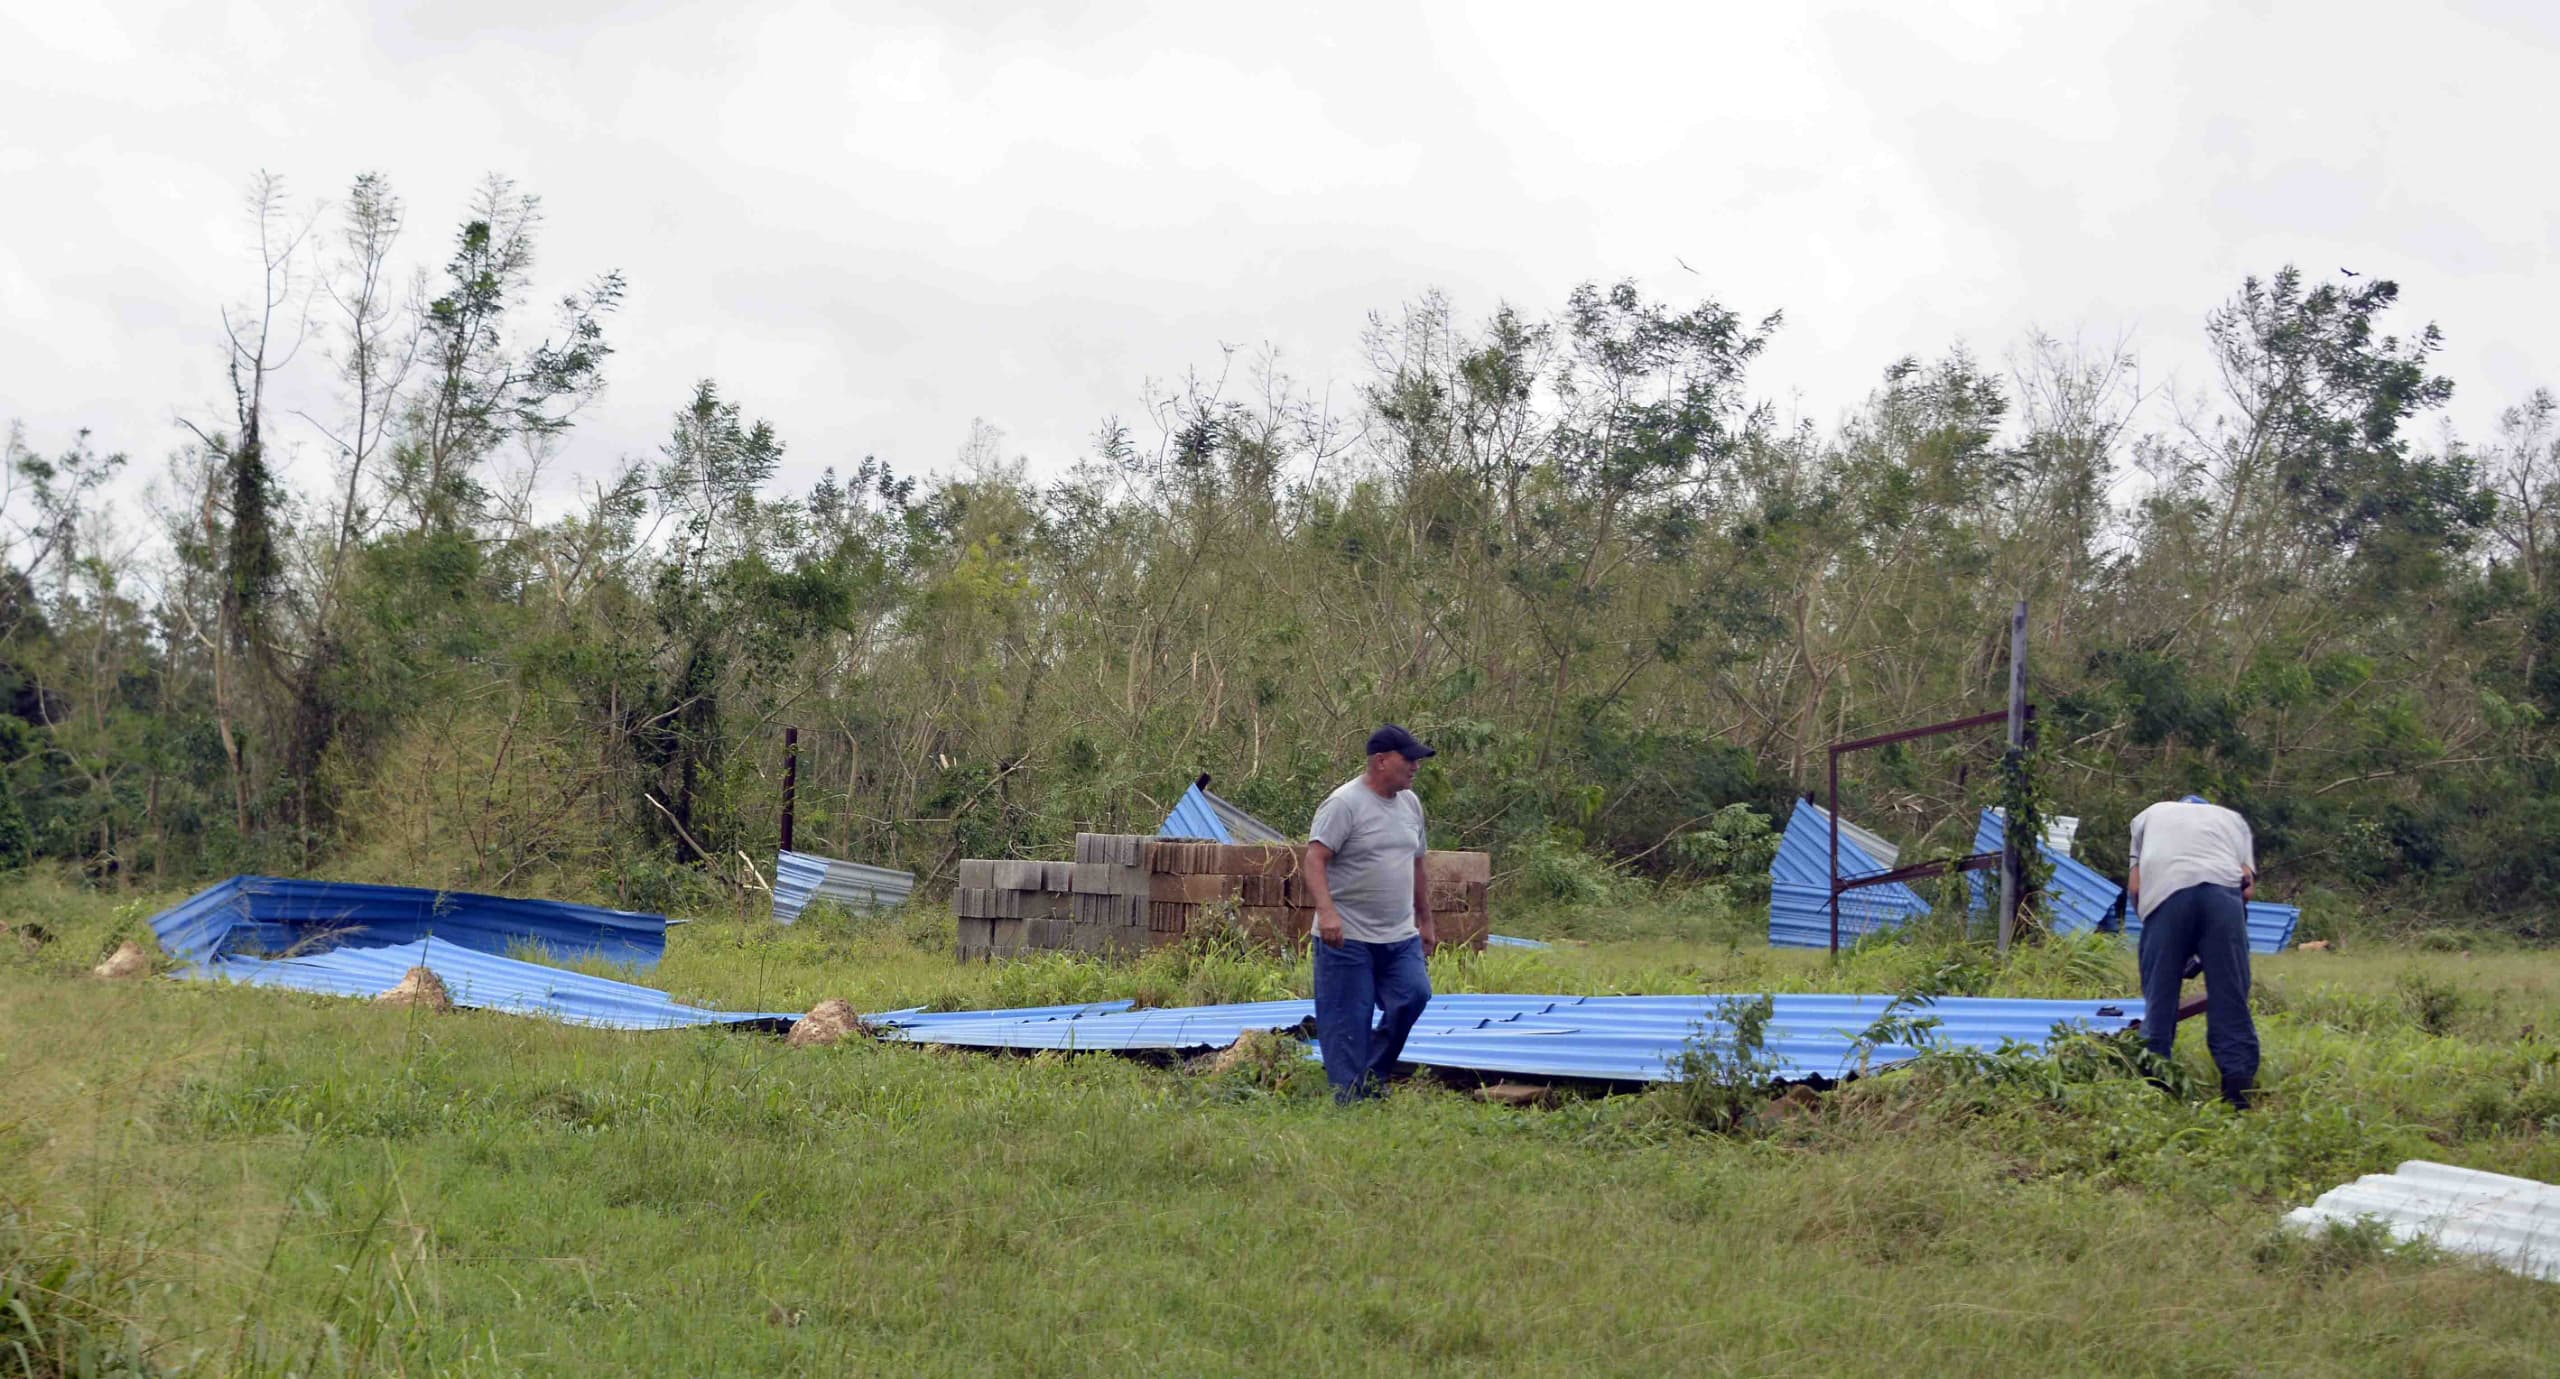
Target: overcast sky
(873, 223)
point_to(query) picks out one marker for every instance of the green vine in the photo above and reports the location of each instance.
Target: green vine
(2023, 810)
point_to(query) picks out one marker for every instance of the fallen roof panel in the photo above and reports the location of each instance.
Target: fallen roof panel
(1610, 1038)
(2081, 898)
(257, 915)
(800, 878)
(478, 980)
(2511, 1222)
(1201, 815)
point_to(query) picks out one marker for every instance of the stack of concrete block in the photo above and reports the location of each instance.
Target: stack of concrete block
(1008, 908)
(1124, 894)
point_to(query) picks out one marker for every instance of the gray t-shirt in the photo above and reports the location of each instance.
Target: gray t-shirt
(2178, 844)
(1375, 842)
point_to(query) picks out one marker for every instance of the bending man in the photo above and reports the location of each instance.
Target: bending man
(1373, 915)
(2194, 868)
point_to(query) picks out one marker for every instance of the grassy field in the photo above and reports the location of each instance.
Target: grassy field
(228, 1181)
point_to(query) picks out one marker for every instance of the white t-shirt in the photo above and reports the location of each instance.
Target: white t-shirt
(1375, 842)
(2178, 844)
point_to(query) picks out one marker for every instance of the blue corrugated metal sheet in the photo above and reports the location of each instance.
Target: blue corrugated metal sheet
(802, 877)
(340, 939)
(478, 980)
(1609, 1038)
(268, 914)
(2080, 898)
(1193, 818)
(1507, 941)
(1207, 818)
(1800, 886)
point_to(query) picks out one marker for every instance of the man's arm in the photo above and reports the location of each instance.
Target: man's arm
(1422, 923)
(1328, 919)
(2133, 885)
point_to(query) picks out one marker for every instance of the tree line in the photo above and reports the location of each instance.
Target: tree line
(1630, 602)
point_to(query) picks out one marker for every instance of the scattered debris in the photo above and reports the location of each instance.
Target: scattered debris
(269, 915)
(1798, 1102)
(418, 987)
(801, 878)
(2317, 945)
(1618, 1039)
(1201, 816)
(2513, 1223)
(127, 961)
(827, 1022)
(1516, 1094)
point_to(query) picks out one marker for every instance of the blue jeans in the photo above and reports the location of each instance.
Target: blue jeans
(2210, 923)
(1353, 980)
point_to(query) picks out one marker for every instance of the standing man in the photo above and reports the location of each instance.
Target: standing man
(1373, 915)
(2194, 868)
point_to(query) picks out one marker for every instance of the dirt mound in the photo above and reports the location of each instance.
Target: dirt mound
(127, 961)
(827, 1021)
(419, 988)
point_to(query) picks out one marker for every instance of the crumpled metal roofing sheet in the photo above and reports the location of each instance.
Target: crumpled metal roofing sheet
(800, 878)
(2081, 898)
(1201, 815)
(1609, 1038)
(1507, 941)
(1800, 886)
(479, 980)
(2511, 1222)
(270, 914)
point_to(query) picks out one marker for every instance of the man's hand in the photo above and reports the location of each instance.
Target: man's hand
(1329, 925)
(1430, 931)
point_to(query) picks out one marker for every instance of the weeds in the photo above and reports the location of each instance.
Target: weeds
(65, 1305)
(1724, 1070)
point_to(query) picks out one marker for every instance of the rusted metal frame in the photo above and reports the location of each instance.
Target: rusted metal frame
(1980, 720)
(1983, 861)
(1980, 861)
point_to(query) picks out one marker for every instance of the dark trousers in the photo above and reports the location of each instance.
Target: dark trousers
(1353, 981)
(2209, 923)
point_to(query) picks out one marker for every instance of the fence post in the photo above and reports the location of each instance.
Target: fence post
(2013, 856)
(792, 779)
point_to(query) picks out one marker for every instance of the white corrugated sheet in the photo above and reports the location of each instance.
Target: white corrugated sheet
(2511, 1222)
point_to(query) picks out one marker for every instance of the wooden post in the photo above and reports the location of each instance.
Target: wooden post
(2013, 854)
(792, 779)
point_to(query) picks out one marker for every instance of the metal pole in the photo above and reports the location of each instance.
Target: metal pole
(790, 780)
(2012, 850)
(1835, 852)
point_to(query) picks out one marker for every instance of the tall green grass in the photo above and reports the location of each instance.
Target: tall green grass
(237, 1181)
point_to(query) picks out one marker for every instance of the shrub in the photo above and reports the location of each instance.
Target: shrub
(1719, 1078)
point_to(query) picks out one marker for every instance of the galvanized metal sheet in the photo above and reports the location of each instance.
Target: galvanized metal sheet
(1611, 1038)
(2080, 898)
(801, 878)
(479, 980)
(2513, 1223)
(277, 915)
(1800, 886)
(1204, 816)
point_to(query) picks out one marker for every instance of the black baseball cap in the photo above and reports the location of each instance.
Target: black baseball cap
(1394, 739)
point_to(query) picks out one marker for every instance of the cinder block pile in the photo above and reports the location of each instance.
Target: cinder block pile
(1124, 894)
